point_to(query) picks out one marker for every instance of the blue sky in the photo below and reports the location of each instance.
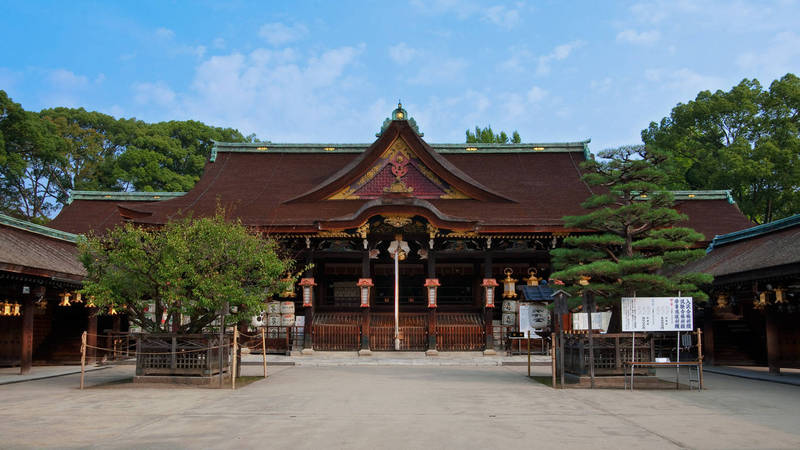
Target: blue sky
(331, 71)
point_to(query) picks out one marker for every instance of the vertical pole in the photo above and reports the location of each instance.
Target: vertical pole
(221, 339)
(83, 357)
(233, 356)
(91, 335)
(633, 355)
(529, 352)
(700, 357)
(678, 360)
(397, 299)
(264, 350)
(553, 358)
(561, 355)
(588, 298)
(26, 352)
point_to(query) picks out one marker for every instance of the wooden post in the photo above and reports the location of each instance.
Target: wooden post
(588, 302)
(264, 349)
(26, 352)
(233, 361)
(91, 335)
(553, 358)
(561, 355)
(83, 357)
(700, 357)
(773, 342)
(529, 353)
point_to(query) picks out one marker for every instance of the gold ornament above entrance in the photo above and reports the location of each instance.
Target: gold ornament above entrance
(398, 171)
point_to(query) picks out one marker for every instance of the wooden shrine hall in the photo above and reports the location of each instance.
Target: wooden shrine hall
(456, 216)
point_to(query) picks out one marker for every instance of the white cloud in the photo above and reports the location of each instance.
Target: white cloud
(684, 83)
(218, 43)
(639, 38)
(440, 71)
(402, 53)
(502, 16)
(536, 94)
(277, 33)
(559, 53)
(779, 58)
(199, 51)
(158, 94)
(66, 80)
(601, 86)
(100, 78)
(164, 33)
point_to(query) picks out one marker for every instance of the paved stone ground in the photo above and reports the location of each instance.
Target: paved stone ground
(395, 407)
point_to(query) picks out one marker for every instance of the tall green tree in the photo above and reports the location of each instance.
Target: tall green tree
(635, 243)
(487, 136)
(190, 269)
(745, 140)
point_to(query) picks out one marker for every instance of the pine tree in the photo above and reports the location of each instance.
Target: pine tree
(635, 246)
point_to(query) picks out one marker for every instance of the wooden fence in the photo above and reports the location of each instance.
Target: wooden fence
(337, 331)
(460, 332)
(413, 332)
(610, 352)
(181, 354)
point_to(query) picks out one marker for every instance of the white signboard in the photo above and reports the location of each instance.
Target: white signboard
(600, 321)
(657, 314)
(533, 316)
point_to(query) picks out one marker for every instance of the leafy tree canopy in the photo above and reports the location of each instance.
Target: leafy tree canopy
(635, 245)
(189, 269)
(746, 140)
(487, 136)
(45, 155)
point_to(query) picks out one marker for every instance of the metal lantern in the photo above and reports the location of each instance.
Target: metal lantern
(15, 309)
(289, 292)
(509, 284)
(6, 311)
(112, 311)
(364, 285)
(64, 299)
(532, 280)
(308, 291)
(779, 296)
(761, 303)
(90, 302)
(584, 280)
(78, 298)
(488, 285)
(432, 285)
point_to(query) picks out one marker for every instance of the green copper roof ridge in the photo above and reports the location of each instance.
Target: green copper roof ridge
(121, 195)
(38, 229)
(753, 232)
(698, 194)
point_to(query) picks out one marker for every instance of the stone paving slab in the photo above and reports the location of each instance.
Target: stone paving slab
(327, 359)
(791, 377)
(395, 408)
(9, 375)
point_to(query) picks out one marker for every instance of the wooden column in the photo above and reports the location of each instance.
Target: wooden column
(431, 309)
(366, 311)
(91, 338)
(488, 313)
(26, 352)
(308, 344)
(773, 341)
(708, 335)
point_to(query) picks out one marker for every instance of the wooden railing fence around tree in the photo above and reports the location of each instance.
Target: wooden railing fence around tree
(610, 352)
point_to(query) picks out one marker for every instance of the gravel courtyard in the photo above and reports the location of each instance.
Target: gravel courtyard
(395, 407)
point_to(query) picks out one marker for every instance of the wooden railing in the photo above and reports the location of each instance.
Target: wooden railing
(337, 331)
(181, 354)
(413, 332)
(610, 352)
(460, 332)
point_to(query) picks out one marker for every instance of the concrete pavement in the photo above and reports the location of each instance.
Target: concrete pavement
(395, 407)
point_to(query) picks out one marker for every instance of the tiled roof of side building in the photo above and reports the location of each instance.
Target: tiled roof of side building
(98, 211)
(32, 249)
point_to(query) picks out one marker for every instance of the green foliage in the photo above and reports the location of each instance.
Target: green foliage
(635, 246)
(190, 268)
(746, 140)
(45, 155)
(487, 136)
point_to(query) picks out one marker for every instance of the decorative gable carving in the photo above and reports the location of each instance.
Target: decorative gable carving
(399, 171)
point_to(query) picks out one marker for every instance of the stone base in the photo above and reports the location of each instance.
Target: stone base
(295, 353)
(307, 352)
(489, 352)
(210, 381)
(432, 352)
(365, 352)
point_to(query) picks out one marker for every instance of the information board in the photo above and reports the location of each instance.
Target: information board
(600, 321)
(657, 314)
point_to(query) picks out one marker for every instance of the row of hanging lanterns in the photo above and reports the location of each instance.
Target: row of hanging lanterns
(10, 309)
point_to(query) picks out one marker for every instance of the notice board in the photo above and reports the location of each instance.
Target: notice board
(657, 314)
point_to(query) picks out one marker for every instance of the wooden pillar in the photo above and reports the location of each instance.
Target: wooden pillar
(91, 338)
(708, 335)
(773, 341)
(26, 352)
(308, 344)
(432, 350)
(366, 310)
(488, 313)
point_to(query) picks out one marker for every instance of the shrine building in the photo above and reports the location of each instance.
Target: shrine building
(463, 216)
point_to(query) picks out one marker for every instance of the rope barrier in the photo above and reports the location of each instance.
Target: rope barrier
(133, 352)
